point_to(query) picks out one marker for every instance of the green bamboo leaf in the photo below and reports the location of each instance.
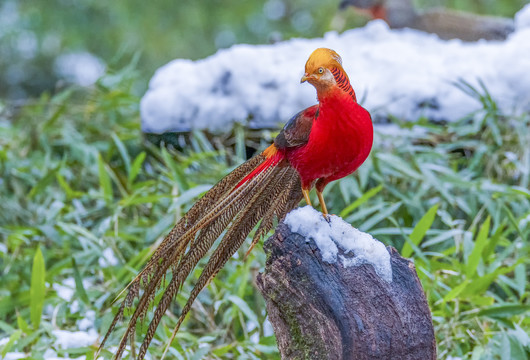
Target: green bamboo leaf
(366, 196)
(380, 216)
(123, 151)
(136, 167)
(201, 352)
(244, 308)
(479, 285)
(56, 115)
(79, 287)
(12, 340)
(419, 231)
(399, 165)
(23, 325)
(177, 170)
(38, 289)
(104, 180)
(135, 200)
(455, 291)
(44, 182)
(70, 193)
(520, 279)
(476, 253)
(504, 311)
(493, 241)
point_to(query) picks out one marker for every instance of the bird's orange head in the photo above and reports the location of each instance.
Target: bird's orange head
(320, 69)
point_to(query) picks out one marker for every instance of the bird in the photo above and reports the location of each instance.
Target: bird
(447, 24)
(323, 143)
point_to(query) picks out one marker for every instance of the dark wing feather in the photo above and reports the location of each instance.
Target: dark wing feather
(296, 132)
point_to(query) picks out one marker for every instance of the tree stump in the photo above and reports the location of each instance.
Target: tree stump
(326, 311)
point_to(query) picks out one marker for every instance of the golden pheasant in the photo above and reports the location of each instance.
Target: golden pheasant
(320, 144)
(447, 24)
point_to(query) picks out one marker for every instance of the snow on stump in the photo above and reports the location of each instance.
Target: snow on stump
(336, 293)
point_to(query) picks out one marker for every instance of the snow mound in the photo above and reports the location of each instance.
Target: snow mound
(404, 73)
(80, 68)
(522, 18)
(339, 240)
(73, 339)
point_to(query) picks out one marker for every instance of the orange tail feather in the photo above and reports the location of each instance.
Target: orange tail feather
(273, 157)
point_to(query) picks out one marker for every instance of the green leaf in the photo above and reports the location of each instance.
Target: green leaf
(419, 231)
(476, 253)
(201, 352)
(244, 308)
(400, 165)
(12, 340)
(177, 171)
(23, 325)
(70, 193)
(80, 289)
(56, 115)
(366, 196)
(492, 242)
(455, 291)
(104, 180)
(135, 200)
(504, 311)
(43, 182)
(123, 152)
(136, 167)
(379, 216)
(479, 285)
(520, 279)
(38, 289)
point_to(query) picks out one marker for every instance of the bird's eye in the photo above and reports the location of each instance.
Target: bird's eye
(321, 70)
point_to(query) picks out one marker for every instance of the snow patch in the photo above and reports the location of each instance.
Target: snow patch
(81, 68)
(65, 290)
(522, 18)
(339, 240)
(108, 259)
(74, 339)
(50, 354)
(404, 73)
(14, 356)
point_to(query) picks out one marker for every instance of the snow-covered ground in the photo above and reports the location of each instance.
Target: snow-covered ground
(81, 68)
(338, 240)
(404, 73)
(84, 335)
(64, 340)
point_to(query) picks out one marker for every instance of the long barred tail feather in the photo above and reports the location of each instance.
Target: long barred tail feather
(258, 190)
(257, 209)
(150, 277)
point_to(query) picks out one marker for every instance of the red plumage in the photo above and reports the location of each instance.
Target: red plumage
(340, 141)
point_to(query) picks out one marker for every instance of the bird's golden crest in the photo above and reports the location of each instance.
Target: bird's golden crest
(325, 58)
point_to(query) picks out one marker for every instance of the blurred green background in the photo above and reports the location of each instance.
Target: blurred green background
(33, 33)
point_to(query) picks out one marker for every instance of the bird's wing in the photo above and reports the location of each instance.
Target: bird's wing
(296, 132)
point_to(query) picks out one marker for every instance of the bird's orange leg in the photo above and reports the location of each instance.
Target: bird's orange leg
(322, 204)
(306, 196)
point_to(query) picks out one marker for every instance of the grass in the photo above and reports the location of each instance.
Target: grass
(77, 179)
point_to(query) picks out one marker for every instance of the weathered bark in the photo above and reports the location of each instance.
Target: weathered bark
(325, 311)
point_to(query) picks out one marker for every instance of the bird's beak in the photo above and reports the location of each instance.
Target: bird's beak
(304, 78)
